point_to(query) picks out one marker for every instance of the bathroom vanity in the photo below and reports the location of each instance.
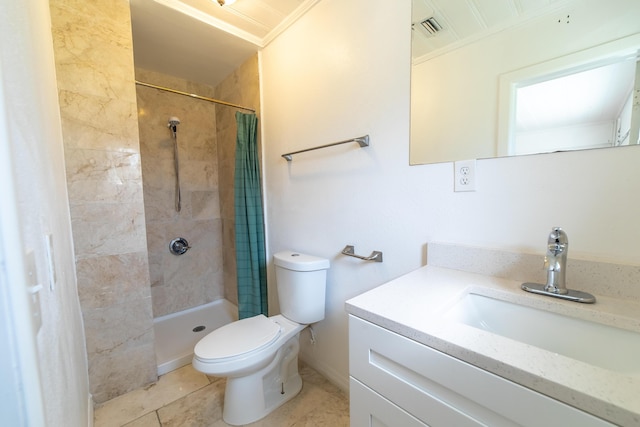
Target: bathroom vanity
(440, 347)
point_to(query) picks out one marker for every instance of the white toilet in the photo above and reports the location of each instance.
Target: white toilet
(259, 355)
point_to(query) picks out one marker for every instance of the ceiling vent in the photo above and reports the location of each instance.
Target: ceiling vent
(431, 25)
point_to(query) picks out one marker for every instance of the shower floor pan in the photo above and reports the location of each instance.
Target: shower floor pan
(176, 334)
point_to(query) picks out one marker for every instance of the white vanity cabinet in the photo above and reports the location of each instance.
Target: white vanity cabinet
(398, 382)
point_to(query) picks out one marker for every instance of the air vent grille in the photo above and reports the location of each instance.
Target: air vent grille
(431, 25)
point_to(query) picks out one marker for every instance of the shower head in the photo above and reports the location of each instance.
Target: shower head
(173, 124)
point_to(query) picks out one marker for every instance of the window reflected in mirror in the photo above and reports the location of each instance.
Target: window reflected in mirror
(584, 110)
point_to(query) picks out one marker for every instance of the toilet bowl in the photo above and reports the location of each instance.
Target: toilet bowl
(259, 355)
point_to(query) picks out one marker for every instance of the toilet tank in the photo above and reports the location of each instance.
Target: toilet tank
(301, 281)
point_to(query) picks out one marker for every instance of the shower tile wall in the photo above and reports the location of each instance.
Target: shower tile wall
(242, 87)
(95, 73)
(196, 277)
(207, 134)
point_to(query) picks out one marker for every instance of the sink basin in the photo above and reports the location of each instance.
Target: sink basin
(593, 343)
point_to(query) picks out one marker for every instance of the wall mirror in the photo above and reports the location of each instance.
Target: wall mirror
(480, 69)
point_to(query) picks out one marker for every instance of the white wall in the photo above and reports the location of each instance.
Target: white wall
(343, 71)
(35, 190)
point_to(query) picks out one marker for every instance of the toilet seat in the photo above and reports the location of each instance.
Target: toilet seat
(238, 338)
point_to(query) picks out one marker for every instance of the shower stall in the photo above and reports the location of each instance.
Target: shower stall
(187, 150)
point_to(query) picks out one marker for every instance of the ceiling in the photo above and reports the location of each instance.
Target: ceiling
(465, 21)
(200, 41)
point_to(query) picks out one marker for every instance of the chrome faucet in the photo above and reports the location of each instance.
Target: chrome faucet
(555, 263)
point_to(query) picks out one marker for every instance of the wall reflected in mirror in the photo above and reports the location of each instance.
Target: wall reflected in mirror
(469, 92)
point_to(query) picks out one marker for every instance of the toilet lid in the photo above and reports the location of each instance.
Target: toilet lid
(238, 337)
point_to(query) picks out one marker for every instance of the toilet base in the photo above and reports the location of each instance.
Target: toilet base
(250, 398)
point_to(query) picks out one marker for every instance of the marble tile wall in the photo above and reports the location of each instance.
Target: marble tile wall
(196, 277)
(95, 76)
(242, 87)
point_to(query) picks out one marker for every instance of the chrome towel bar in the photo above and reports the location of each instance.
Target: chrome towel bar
(363, 141)
(375, 256)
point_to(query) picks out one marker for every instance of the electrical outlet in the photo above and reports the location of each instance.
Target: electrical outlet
(464, 175)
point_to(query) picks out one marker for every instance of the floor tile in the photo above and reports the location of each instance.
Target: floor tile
(187, 398)
(133, 405)
(318, 396)
(202, 408)
(149, 420)
(329, 417)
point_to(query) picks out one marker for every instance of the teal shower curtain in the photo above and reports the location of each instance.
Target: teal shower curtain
(250, 247)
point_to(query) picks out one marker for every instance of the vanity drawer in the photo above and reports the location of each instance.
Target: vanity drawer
(440, 390)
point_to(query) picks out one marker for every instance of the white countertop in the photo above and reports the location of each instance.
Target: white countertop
(411, 306)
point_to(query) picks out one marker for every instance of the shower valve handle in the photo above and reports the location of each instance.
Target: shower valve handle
(179, 246)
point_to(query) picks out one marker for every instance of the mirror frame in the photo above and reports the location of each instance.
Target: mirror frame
(604, 54)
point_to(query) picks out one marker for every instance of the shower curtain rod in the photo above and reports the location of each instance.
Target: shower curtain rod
(192, 95)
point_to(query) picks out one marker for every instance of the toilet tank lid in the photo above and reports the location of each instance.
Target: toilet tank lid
(300, 262)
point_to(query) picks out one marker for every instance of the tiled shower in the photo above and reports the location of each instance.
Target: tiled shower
(119, 224)
(196, 277)
(206, 138)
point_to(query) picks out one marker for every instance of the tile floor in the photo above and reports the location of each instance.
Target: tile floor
(188, 398)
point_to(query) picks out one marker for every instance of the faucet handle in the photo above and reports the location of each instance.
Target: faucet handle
(557, 243)
(558, 237)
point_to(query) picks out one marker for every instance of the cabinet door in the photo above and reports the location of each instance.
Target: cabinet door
(443, 391)
(369, 409)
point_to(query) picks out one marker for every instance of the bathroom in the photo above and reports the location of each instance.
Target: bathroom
(356, 82)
